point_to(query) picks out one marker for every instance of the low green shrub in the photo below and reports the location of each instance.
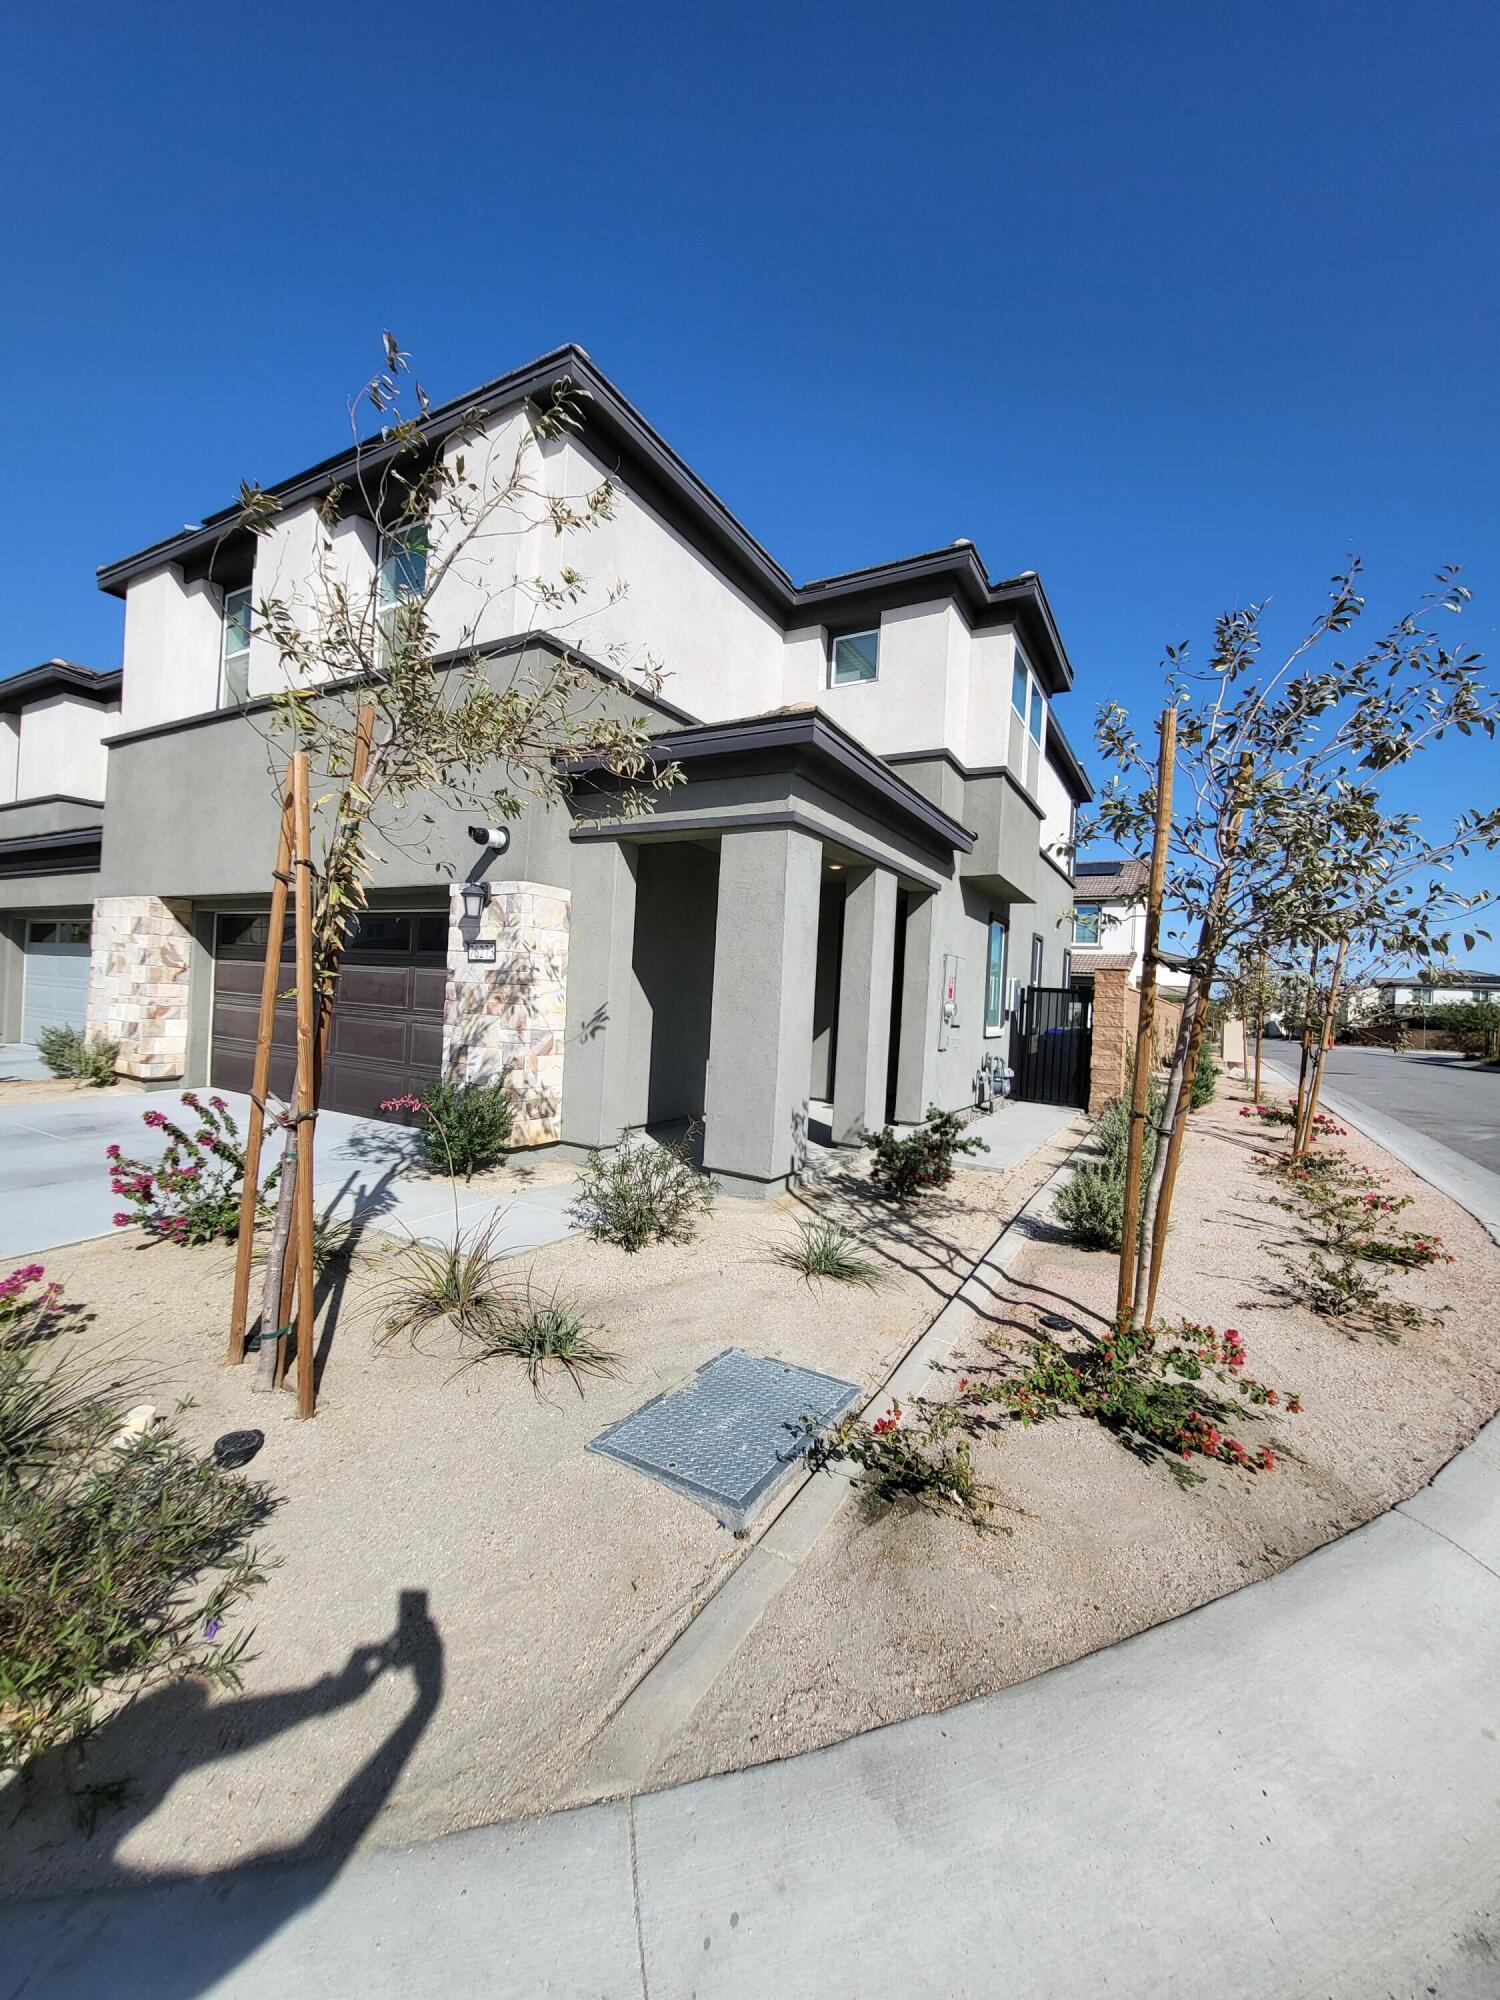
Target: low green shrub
(642, 1193)
(1091, 1206)
(69, 1052)
(925, 1459)
(1205, 1078)
(117, 1566)
(904, 1167)
(468, 1126)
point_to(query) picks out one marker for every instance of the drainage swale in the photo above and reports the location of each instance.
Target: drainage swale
(731, 1434)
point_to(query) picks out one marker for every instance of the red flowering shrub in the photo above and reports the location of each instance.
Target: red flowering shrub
(192, 1193)
(1153, 1391)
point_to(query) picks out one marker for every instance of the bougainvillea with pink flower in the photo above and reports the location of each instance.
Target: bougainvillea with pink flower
(191, 1193)
(28, 1298)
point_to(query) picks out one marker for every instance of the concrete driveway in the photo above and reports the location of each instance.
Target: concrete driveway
(54, 1180)
(1437, 1113)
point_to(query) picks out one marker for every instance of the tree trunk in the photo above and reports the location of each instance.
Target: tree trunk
(1145, 1037)
(271, 1292)
(1303, 1139)
(1189, 1033)
(1260, 1029)
(1307, 1021)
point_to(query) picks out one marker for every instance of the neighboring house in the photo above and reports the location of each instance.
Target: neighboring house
(1109, 924)
(867, 855)
(53, 722)
(1406, 993)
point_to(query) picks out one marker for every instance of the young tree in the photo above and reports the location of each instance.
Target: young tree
(392, 709)
(1278, 795)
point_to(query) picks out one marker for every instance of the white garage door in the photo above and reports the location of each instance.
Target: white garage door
(57, 975)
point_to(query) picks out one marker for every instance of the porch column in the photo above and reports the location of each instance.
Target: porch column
(862, 1057)
(921, 1004)
(760, 1039)
(604, 1093)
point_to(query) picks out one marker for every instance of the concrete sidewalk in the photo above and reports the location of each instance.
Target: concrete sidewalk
(54, 1179)
(1294, 1791)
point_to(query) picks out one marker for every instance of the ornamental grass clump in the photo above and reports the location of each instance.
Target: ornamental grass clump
(906, 1167)
(642, 1193)
(542, 1331)
(829, 1250)
(442, 1284)
(118, 1565)
(191, 1194)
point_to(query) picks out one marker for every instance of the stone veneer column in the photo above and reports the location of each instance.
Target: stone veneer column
(507, 1018)
(139, 982)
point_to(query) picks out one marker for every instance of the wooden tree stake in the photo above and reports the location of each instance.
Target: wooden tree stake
(260, 1079)
(306, 1112)
(1145, 1034)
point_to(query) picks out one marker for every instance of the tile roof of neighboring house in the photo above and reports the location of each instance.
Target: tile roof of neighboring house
(1112, 881)
(1102, 961)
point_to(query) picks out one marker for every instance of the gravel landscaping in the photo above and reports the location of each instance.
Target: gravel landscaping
(899, 1612)
(461, 1594)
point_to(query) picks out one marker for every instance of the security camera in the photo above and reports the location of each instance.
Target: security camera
(496, 838)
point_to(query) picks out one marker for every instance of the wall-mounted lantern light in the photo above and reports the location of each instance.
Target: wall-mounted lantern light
(476, 895)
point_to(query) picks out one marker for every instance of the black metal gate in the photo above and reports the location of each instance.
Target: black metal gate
(1053, 1032)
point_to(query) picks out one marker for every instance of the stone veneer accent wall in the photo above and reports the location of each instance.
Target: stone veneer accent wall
(139, 969)
(1117, 1015)
(507, 1018)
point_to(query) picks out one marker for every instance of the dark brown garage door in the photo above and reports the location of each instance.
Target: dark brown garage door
(386, 1037)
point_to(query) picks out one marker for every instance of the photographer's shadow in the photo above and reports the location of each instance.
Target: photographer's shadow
(171, 1937)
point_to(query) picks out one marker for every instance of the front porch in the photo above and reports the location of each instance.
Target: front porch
(770, 935)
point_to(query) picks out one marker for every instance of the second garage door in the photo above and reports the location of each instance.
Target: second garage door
(56, 975)
(386, 1037)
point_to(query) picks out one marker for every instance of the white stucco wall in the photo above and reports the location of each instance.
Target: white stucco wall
(10, 756)
(59, 747)
(303, 565)
(477, 598)
(173, 634)
(1056, 803)
(919, 699)
(721, 655)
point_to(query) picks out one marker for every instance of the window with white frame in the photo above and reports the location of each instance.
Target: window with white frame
(1026, 697)
(403, 576)
(854, 657)
(1086, 924)
(994, 979)
(234, 649)
(1037, 949)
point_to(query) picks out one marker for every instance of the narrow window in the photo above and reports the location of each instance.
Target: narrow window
(1038, 709)
(403, 577)
(856, 657)
(994, 979)
(1067, 968)
(234, 655)
(1086, 924)
(1018, 684)
(1036, 960)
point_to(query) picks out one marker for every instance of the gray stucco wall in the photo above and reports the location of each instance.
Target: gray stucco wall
(677, 900)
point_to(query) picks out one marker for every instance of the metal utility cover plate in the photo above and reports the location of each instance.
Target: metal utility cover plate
(731, 1434)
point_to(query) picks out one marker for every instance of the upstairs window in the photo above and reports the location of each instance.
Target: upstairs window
(403, 576)
(856, 657)
(1026, 697)
(1086, 924)
(234, 653)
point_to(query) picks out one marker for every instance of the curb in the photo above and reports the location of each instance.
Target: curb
(661, 1702)
(1465, 1181)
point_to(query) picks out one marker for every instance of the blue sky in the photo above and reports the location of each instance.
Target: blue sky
(1171, 303)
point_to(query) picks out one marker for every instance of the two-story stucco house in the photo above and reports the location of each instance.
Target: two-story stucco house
(1109, 925)
(53, 722)
(828, 917)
